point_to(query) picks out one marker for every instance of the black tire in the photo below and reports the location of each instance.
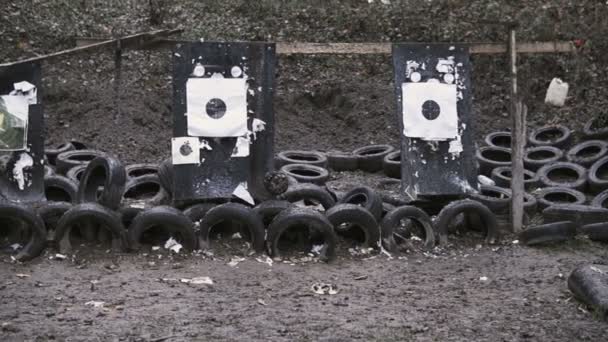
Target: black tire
(601, 200)
(556, 195)
(547, 173)
(128, 214)
(79, 145)
(104, 171)
(548, 233)
(391, 164)
(309, 192)
(237, 212)
(60, 189)
(276, 182)
(498, 139)
(468, 207)
(51, 213)
(530, 205)
(342, 161)
(198, 211)
(579, 214)
(305, 173)
(95, 214)
(369, 158)
(52, 153)
(553, 135)
(537, 157)
(588, 283)
(596, 231)
(490, 157)
(76, 173)
(590, 131)
(268, 210)
(502, 178)
(497, 199)
(145, 189)
(314, 220)
(139, 170)
(386, 208)
(32, 222)
(587, 152)
(302, 157)
(165, 175)
(356, 216)
(167, 217)
(390, 222)
(367, 198)
(598, 176)
(67, 160)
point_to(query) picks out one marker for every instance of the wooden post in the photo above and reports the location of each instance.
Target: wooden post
(117, 80)
(518, 133)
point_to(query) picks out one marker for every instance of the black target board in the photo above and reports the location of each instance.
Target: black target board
(223, 128)
(433, 91)
(21, 134)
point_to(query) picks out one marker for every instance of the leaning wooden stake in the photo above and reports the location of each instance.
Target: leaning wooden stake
(518, 114)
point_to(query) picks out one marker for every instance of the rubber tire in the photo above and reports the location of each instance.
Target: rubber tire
(392, 219)
(535, 164)
(561, 142)
(268, 210)
(301, 157)
(76, 173)
(486, 165)
(589, 133)
(61, 183)
(342, 161)
(589, 284)
(165, 175)
(167, 217)
(276, 182)
(51, 213)
(573, 157)
(139, 170)
(160, 198)
(503, 181)
(33, 223)
(579, 214)
(386, 208)
(79, 145)
(596, 231)
(365, 197)
(450, 211)
(94, 213)
(495, 204)
(597, 185)
(198, 211)
(302, 216)
(128, 214)
(492, 139)
(308, 192)
(543, 203)
(319, 179)
(233, 211)
(65, 162)
(580, 184)
(547, 233)
(113, 179)
(369, 158)
(391, 164)
(601, 200)
(357, 216)
(52, 153)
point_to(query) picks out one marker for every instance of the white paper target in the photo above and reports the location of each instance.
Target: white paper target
(185, 150)
(429, 111)
(216, 107)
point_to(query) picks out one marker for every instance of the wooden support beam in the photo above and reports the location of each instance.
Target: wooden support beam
(518, 138)
(135, 40)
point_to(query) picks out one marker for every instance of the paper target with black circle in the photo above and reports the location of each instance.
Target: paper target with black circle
(223, 120)
(21, 134)
(432, 87)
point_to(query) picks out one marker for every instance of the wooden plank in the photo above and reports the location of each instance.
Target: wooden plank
(125, 42)
(518, 112)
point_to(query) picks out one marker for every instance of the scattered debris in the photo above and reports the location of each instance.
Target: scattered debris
(173, 245)
(95, 304)
(16, 246)
(235, 261)
(264, 260)
(322, 289)
(22, 275)
(58, 257)
(262, 302)
(483, 278)
(197, 281)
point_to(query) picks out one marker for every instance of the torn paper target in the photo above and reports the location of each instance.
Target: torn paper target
(185, 150)
(216, 107)
(14, 113)
(429, 111)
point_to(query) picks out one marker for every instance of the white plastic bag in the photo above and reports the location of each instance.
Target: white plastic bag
(557, 93)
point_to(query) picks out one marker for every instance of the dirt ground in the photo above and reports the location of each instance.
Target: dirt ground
(323, 103)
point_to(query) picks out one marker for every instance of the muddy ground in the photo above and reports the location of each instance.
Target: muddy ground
(321, 102)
